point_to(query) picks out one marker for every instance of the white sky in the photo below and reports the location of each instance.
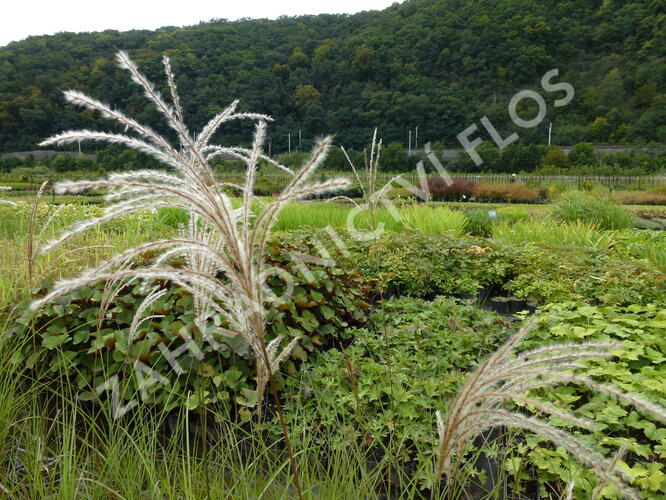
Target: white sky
(22, 18)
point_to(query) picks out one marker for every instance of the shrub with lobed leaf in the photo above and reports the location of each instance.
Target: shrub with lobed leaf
(82, 337)
(510, 377)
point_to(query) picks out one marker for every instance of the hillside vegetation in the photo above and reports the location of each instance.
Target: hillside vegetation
(437, 64)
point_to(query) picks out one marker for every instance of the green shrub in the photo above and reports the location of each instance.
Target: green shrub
(405, 363)
(544, 273)
(639, 368)
(554, 157)
(399, 194)
(603, 212)
(583, 154)
(420, 265)
(67, 346)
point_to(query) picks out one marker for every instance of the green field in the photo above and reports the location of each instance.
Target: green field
(578, 272)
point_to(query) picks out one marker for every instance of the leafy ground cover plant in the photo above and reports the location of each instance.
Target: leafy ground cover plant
(424, 265)
(81, 340)
(508, 376)
(638, 367)
(378, 389)
(54, 446)
(421, 265)
(383, 390)
(551, 273)
(647, 245)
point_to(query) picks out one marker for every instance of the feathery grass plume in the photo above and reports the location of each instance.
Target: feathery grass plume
(372, 195)
(219, 240)
(508, 377)
(6, 202)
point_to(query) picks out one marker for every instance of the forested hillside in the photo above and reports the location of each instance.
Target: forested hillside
(437, 64)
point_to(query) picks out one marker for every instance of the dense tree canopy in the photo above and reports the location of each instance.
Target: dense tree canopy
(437, 64)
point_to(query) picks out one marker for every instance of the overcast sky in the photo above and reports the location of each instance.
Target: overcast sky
(22, 18)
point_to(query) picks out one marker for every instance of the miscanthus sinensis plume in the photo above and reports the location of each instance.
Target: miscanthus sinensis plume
(509, 376)
(223, 245)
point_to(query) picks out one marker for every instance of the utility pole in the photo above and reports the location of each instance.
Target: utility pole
(416, 139)
(270, 143)
(550, 132)
(409, 147)
(289, 135)
(299, 139)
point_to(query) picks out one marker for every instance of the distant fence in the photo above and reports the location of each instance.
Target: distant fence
(547, 180)
(455, 153)
(486, 178)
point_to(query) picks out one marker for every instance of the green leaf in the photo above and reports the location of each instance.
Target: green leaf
(248, 397)
(327, 312)
(55, 341)
(82, 335)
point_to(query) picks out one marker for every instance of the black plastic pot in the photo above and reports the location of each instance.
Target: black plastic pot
(499, 305)
(484, 295)
(517, 305)
(531, 308)
(463, 296)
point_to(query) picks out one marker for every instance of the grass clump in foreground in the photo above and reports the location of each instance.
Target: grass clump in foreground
(223, 267)
(603, 212)
(53, 446)
(424, 218)
(576, 234)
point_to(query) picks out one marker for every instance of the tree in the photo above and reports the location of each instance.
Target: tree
(610, 91)
(363, 60)
(583, 154)
(305, 96)
(599, 130)
(554, 157)
(394, 158)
